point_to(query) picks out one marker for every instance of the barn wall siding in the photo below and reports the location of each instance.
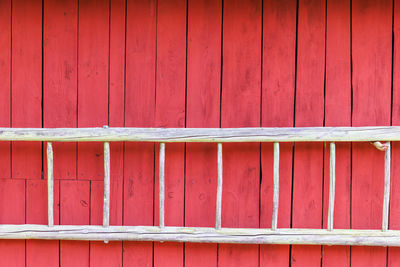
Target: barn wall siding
(197, 63)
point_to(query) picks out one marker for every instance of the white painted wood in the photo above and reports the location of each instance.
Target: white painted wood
(219, 189)
(50, 184)
(275, 202)
(386, 198)
(106, 201)
(332, 182)
(217, 135)
(204, 235)
(161, 169)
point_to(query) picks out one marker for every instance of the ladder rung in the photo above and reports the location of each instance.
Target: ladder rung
(162, 183)
(332, 182)
(275, 203)
(106, 203)
(219, 189)
(386, 197)
(50, 186)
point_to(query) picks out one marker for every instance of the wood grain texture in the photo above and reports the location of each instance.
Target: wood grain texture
(5, 84)
(204, 235)
(240, 107)
(308, 159)
(93, 80)
(26, 111)
(203, 110)
(12, 206)
(279, 48)
(74, 209)
(139, 112)
(105, 254)
(26, 81)
(371, 54)
(9, 249)
(41, 252)
(60, 78)
(116, 117)
(171, 112)
(394, 215)
(338, 113)
(208, 135)
(93, 72)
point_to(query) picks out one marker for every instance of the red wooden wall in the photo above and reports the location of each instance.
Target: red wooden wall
(198, 63)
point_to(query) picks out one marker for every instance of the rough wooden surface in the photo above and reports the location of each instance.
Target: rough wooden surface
(107, 182)
(219, 189)
(386, 195)
(161, 184)
(139, 168)
(203, 234)
(332, 182)
(278, 96)
(275, 202)
(371, 61)
(215, 135)
(50, 184)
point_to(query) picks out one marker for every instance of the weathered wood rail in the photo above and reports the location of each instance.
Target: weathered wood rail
(209, 135)
(219, 234)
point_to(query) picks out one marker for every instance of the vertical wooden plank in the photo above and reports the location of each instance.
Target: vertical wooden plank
(26, 82)
(241, 99)
(102, 254)
(170, 112)
(279, 49)
(96, 203)
(5, 83)
(338, 113)
(41, 252)
(60, 79)
(394, 217)
(74, 210)
(93, 83)
(105, 254)
(139, 112)
(93, 71)
(59, 110)
(308, 158)
(26, 85)
(203, 106)
(12, 211)
(372, 62)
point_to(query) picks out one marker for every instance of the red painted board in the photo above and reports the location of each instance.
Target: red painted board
(203, 106)
(394, 217)
(74, 210)
(139, 112)
(96, 203)
(41, 252)
(308, 158)
(240, 107)
(279, 48)
(60, 79)
(5, 84)
(93, 71)
(117, 63)
(102, 254)
(338, 113)
(170, 112)
(12, 211)
(26, 81)
(372, 64)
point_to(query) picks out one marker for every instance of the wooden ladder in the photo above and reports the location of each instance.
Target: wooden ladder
(218, 234)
